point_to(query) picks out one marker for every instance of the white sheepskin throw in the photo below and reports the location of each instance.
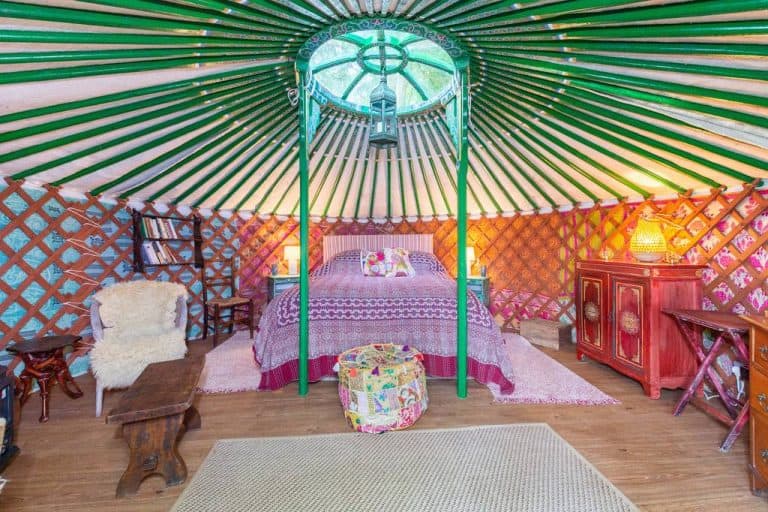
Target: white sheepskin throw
(139, 307)
(139, 328)
(117, 367)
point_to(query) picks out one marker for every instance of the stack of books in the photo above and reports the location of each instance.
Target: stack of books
(158, 253)
(158, 228)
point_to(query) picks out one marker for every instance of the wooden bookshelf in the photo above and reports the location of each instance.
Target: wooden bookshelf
(157, 241)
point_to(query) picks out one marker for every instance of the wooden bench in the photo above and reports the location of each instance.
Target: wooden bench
(153, 413)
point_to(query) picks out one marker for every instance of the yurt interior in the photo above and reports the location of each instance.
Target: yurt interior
(384, 255)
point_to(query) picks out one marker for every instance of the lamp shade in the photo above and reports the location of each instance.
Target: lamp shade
(292, 255)
(291, 252)
(648, 243)
(470, 258)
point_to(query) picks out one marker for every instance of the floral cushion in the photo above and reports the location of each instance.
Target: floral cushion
(373, 263)
(388, 262)
(398, 263)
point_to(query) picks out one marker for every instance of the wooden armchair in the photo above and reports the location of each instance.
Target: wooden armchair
(221, 303)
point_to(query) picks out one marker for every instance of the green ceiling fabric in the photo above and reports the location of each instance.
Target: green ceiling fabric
(195, 102)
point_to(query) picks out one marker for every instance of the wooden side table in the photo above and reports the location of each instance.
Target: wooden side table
(279, 283)
(44, 360)
(730, 328)
(480, 286)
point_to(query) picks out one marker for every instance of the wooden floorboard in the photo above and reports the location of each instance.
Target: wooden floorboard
(662, 463)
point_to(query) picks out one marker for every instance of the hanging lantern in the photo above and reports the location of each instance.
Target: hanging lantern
(383, 126)
(648, 243)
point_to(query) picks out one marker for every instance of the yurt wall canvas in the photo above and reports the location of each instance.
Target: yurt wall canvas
(57, 251)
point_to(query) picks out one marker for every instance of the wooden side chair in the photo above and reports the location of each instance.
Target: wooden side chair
(221, 303)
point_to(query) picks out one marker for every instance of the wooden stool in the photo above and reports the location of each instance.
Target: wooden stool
(155, 412)
(730, 327)
(44, 360)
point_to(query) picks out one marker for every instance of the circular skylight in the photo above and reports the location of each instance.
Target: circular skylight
(348, 67)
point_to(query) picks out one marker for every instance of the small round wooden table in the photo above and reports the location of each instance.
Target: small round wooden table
(43, 360)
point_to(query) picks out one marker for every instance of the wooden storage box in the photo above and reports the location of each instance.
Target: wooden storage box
(546, 333)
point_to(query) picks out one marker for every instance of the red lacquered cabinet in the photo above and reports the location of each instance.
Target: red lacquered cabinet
(620, 319)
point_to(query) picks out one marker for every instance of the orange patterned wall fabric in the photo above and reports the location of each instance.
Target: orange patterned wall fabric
(55, 252)
(531, 258)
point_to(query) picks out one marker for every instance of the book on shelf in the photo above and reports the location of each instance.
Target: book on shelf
(158, 228)
(158, 253)
(149, 253)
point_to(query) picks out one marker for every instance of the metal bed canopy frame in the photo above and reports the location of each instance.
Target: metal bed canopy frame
(461, 63)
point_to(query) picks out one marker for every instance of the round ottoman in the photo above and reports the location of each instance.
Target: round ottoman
(382, 387)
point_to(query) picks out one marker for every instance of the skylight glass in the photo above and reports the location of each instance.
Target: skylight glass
(348, 67)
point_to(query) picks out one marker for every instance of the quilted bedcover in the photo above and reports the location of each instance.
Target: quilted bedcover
(347, 309)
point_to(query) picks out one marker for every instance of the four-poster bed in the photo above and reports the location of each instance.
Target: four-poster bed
(347, 309)
(460, 99)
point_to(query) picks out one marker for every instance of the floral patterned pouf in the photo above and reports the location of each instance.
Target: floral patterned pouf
(382, 387)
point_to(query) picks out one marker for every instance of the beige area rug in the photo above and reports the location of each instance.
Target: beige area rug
(522, 467)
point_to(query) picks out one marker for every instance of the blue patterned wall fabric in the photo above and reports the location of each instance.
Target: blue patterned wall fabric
(55, 252)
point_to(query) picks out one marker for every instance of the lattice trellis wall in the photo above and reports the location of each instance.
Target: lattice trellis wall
(531, 258)
(55, 252)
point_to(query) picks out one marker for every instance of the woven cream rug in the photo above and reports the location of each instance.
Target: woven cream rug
(523, 467)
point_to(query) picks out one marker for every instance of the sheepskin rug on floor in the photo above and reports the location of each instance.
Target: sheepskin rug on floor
(539, 379)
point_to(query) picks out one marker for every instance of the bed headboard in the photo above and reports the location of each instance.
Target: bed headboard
(332, 245)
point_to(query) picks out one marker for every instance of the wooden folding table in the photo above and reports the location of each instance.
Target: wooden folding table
(730, 328)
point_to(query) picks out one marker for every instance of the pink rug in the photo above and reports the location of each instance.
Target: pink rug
(539, 379)
(230, 367)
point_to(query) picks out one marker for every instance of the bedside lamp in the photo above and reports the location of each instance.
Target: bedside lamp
(648, 243)
(291, 254)
(470, 259)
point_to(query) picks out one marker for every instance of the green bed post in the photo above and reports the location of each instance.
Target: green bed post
(461, 233)
(303, 232)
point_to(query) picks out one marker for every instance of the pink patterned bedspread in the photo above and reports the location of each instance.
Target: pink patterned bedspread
(347, 309)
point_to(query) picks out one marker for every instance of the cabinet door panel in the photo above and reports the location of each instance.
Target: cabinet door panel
(592, 311)
(759, 449)
(629, 323)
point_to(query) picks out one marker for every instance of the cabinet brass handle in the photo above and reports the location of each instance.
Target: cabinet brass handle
(764, 455)
(762, 398)
(764, 352)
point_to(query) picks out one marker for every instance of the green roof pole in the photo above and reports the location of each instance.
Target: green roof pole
(303, 230)
(461, 233)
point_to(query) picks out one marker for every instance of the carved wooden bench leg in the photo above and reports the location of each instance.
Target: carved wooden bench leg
(192, 418)
(153, 450)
